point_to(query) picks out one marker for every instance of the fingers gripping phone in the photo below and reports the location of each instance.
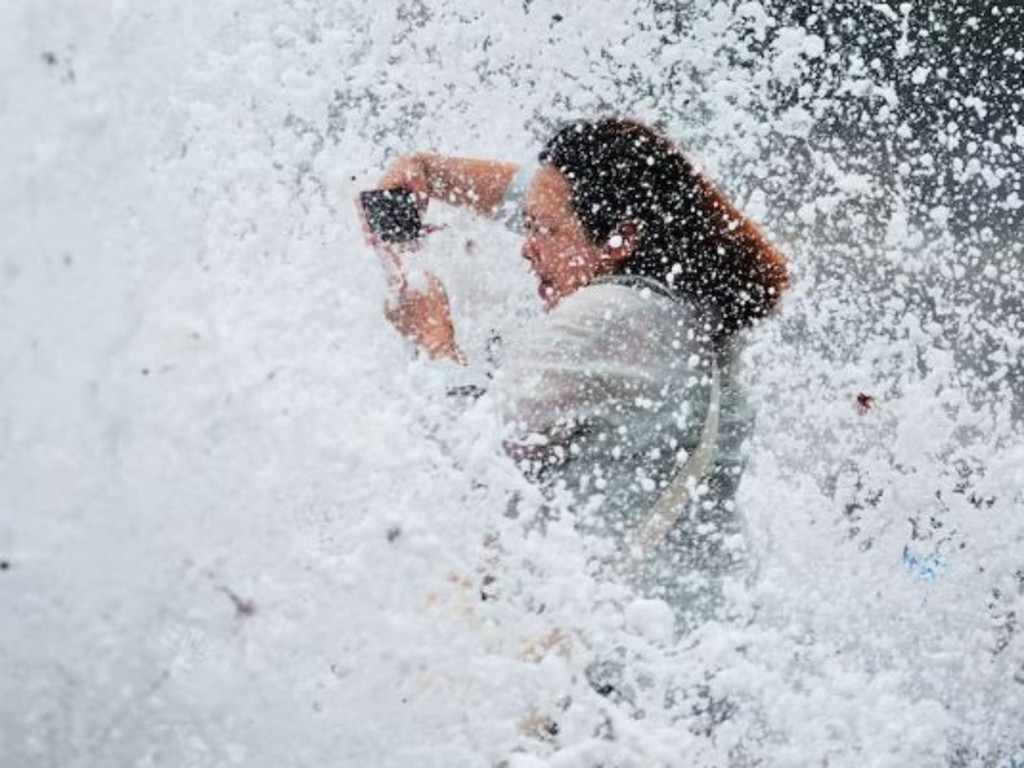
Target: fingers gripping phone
(392, 222)
(391, 214)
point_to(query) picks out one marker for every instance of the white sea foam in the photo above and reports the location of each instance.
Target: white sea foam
(242, 526)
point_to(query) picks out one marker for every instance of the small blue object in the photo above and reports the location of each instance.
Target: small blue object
(926, 568)
(1017, 761)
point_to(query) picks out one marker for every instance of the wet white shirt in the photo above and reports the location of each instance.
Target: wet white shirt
(604, 395)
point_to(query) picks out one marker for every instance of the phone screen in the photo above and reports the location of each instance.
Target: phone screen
(392, 214)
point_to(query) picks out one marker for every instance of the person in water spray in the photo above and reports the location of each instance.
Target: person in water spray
(624, 394)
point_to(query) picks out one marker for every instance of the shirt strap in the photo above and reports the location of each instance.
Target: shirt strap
(675, 499)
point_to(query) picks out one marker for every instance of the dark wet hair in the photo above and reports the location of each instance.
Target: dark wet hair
(690, 237)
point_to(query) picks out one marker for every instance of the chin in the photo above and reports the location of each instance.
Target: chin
(548, 294)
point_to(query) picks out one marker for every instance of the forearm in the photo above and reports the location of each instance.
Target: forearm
(440, 344)
(466, 182)
(422, 314)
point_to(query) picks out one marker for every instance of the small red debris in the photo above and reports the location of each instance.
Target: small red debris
(865, 402)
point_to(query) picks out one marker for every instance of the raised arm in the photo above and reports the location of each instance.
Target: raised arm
(467, 182)
(422, 312)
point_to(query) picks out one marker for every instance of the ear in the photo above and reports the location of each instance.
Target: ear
(622, 241)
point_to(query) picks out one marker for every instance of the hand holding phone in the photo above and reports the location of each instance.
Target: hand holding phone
(418, 306)
(391, 223)
(391, 215)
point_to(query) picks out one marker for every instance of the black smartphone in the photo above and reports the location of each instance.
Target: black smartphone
(391, 214)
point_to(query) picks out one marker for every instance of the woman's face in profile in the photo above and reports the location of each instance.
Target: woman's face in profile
(559, 251)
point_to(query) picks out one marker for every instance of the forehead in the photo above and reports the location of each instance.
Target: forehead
(548, 193)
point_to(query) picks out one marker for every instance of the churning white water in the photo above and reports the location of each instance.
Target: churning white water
(241, 525)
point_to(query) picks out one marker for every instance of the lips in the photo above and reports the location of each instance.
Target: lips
(545, 287)
(543, 284)
(547, 292)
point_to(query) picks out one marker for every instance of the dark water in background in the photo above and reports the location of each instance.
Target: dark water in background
(953, 141)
